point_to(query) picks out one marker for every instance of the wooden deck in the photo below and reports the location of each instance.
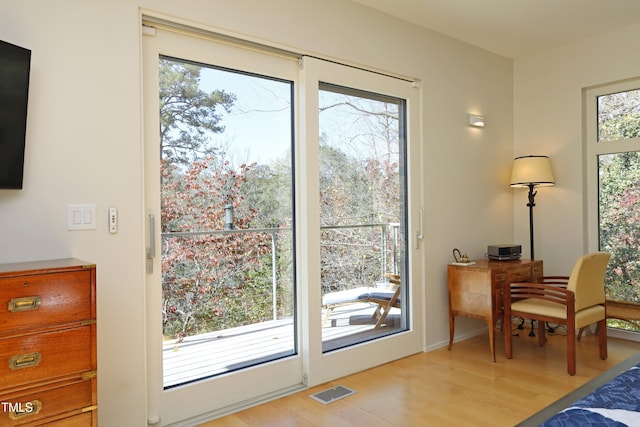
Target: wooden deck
(215, 353)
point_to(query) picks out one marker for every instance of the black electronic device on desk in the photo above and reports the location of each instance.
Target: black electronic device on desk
(504, 252)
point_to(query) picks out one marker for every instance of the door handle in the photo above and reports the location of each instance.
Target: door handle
(151, 249)
(419, 234)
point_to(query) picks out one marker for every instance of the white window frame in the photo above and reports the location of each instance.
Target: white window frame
(593, 149)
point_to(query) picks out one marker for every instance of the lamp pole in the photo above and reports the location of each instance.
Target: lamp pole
(531, 204)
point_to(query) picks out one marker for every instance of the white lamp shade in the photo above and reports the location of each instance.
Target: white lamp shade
(532, 170)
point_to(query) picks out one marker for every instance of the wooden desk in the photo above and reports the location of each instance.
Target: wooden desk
(476, 290)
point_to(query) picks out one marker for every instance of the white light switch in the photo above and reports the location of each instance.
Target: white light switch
(81, 217)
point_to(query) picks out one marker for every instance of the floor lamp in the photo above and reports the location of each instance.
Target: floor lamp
(531, 172)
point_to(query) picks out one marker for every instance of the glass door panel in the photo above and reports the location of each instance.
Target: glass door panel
(619, 228)
(227, 215)
(362, 215)
(220, 292)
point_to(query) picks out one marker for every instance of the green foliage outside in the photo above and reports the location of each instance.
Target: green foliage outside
(360, 187)
(219, 280)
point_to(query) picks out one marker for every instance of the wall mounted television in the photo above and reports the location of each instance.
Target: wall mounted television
(15, 65)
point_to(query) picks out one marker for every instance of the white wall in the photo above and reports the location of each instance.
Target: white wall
(84, 145)
(549, 120)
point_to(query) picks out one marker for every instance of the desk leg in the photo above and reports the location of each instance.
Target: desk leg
(452, 328)
(492, 338)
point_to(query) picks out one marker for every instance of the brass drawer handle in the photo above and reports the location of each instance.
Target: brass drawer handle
(25, 360)
(24, 304)
(25, 409)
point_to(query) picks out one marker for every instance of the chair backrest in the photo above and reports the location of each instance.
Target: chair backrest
(587, 279)
(394, 280)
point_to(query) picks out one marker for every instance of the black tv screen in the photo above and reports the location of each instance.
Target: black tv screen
(15, 64)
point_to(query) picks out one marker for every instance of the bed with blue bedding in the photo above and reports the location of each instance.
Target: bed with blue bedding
(611, 399)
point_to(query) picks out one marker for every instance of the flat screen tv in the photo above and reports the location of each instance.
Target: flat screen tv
(15, 64)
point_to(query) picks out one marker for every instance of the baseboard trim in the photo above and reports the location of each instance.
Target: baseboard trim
(228, 410)
(457, 338)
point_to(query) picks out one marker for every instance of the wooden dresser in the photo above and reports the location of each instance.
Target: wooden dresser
(476, 290)
(48, 361)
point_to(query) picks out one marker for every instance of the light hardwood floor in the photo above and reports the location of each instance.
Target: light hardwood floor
(443, 388)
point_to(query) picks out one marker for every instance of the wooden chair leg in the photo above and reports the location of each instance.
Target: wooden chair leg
(571, 349)
(327, 314)
(542, 336)
(602, 338)
(383, 317)
(376, 312)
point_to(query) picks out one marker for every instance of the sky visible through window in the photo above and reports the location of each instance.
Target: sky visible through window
(258, 128)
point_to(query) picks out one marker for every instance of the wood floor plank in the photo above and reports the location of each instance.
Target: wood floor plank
(445, 388)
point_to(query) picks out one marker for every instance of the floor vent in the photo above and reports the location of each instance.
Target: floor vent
(332, 394)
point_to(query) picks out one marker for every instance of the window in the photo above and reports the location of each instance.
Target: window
(614, 187)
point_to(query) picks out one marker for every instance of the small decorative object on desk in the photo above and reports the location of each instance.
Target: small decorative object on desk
(461, 259)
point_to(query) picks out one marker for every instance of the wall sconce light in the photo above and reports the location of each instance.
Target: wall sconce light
(475, 120)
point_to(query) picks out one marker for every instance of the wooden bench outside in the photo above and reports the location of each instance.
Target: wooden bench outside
(626, 311)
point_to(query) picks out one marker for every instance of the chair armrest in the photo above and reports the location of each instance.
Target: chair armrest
(394, 279)
(524, 290)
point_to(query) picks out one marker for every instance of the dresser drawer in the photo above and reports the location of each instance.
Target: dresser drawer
(512, 275)
(54, 402)
(81, 420)
(32, 301)
(37, 357)
(518, 275)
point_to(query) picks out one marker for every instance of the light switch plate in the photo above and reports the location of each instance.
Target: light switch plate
(113, 220)
(81, 217)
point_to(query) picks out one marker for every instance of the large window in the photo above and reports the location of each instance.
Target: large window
(614, 165)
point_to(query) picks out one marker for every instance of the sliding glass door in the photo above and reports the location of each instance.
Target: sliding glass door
(276, 186)
(219, 170)
(362, 196)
